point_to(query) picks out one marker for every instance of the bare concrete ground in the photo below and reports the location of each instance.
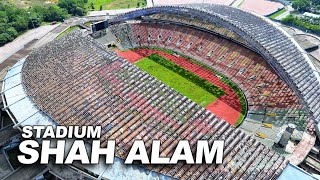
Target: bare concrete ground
(262, 7)
(316, 54)
(305, 37)
(49, 36)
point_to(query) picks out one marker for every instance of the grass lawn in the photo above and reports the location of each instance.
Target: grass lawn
(177, 82)
(67, 30)
(115, 4)
(277, 14)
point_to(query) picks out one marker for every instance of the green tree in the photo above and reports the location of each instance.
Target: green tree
(100, 7)
(12, 32)
(55, 13)
(307, 23)
(316, 2)
(80, 11)
(3, 17)
(14, 20)
(74, 7)
(302, 5)
(92, 6)
(5, 38)
(34, 22)
(39, 12)
(21, 23)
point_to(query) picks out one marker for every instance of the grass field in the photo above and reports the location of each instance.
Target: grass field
(179, 83)
(277, 14)
(233, 111)
(115, 4)
(67, 30)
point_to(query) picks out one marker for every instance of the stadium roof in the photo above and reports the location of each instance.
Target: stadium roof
(63, 73)
(69, 77)
(23, 112)
(20, 107)
(273, 43)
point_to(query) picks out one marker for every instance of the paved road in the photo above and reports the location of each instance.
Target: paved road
(49, 36)
(285, 14)
(67, 23)
(14, 46)
(43, 34)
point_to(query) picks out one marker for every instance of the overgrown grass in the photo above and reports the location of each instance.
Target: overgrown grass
(182, 80)
(273, 16)
(88, 23)
(115, 4)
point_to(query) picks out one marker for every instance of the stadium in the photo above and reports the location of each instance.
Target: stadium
(194, 72)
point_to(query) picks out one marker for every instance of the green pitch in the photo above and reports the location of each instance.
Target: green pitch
(182, 80)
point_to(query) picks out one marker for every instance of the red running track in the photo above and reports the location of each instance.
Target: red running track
(226, 107)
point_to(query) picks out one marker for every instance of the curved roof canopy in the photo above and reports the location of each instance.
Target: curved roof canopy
(281, 51)
(64, 75)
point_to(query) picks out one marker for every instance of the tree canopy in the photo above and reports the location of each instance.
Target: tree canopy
(74, 7)
(306, 5)
(14, 20)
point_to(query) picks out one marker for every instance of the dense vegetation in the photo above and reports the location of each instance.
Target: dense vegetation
(74, 7)
(14, 21)
(306, 5)
(18, 16)
(312, 24)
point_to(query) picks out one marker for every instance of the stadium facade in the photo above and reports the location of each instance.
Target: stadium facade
(75, 80)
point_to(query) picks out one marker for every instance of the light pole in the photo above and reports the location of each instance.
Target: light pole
(31, 21)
